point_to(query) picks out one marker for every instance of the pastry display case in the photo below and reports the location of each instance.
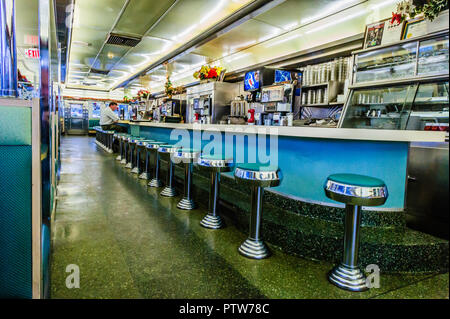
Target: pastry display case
(402, 86)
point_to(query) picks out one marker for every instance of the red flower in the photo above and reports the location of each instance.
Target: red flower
(396, 17)
(212, 74)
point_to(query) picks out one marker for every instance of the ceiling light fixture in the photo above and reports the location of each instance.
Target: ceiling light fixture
(352, 16)
(283, 40)
(237, 57)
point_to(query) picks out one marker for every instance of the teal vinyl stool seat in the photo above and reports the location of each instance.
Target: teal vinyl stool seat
(354, 191)
(187, 156)
(215, 165)
(166, 152)
(136, 160)
(257, 177)
(142, 148)
(152, 149)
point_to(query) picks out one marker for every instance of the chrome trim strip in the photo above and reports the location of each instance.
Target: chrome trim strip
(209, 162)
(257, 175)
(356, 191)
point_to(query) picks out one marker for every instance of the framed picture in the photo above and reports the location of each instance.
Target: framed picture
(374, 33)
(414, 28)
(392, 32)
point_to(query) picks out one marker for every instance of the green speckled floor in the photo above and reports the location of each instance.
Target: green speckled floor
(131, 243)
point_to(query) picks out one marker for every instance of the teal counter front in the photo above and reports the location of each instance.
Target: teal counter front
(304, 160)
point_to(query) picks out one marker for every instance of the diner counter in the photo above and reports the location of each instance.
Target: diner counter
(308, 132)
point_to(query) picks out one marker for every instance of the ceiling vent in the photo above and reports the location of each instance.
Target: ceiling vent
(123, 40)
(98, 71)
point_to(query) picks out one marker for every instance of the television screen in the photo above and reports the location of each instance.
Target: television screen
(251, 81)
(282, 76)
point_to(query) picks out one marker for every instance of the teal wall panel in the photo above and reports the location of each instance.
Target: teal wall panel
(93, 123)
(15, 222)
(15, 125)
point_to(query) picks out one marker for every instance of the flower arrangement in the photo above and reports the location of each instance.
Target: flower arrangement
(207, 72)
(143, 94)
(411, 8)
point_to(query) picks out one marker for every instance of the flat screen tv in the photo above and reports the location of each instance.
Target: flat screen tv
(282, 76)
(252, 81)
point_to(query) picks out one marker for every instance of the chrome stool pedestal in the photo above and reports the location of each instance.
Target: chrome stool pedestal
(215, 165)
(257, 177)
(109, 141)
(135, 156)
(166, 151)
(355, 191)
(187, 157)
(152, 148)
(143, 148)
(125, 140)
(119, 138)
(131, 151)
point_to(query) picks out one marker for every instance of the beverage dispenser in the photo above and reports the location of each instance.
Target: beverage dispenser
(209, 103)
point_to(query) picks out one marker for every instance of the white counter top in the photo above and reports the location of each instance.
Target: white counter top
(310, 132)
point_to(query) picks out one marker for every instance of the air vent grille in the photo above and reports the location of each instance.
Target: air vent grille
(123, 40)
(97, 71)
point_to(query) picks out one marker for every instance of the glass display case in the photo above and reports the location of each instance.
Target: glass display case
(433, 56)
(425, 56)
(402, 86)
(411, 106)
(393, 62)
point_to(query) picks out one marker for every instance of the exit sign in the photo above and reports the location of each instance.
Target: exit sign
(32, 53)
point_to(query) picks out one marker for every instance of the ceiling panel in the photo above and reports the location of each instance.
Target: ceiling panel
(140, 15)
(89, 31)
(247, 34)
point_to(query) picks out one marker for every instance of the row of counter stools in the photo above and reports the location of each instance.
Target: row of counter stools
(351, 189)
(104, 138)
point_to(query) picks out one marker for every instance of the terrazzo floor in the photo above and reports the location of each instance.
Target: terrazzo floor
(129, 242)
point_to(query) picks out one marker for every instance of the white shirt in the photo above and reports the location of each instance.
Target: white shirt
(107, 116)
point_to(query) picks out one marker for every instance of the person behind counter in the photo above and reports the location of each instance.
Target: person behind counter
(108, 119)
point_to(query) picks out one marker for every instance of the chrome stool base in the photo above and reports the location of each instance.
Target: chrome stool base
(169, 192)
(144, 176)
(211, 222)
(344, 277)
(186, 204)
(118, 158)
(123, 161)
(135, 170)
(254, 249)
(128, 165)
(155, 183)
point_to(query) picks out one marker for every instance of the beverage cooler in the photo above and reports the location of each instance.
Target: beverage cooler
(405, 86)
(209, 103)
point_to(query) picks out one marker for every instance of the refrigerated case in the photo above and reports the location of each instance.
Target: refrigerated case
(405, 86)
